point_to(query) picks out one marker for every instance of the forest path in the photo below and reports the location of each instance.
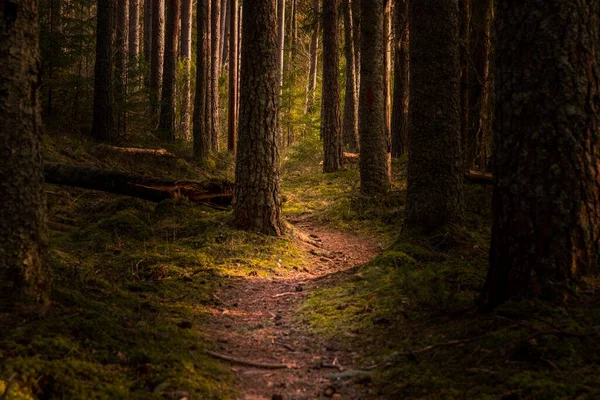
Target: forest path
(257, 321)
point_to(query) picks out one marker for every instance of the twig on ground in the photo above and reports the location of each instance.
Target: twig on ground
(247, 362)
(284, 294)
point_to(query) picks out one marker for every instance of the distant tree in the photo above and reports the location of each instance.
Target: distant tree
(257, 199)
(121, 58)
(281, 38)
(434, 187)
(185, 53)
(102, 125)
(134, 31)
(350, 123)
(157, 56)
(374, 166)
(401, 80)
(387, 66)
(330, 98)
(23, 240)
(147, 39)
(546, 226)
(314, 58)
(201, 132)
(215, 65)
(356, 5)
(233, 79)
(166, 124)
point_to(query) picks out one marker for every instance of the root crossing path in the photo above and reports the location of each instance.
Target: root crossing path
(274, 355)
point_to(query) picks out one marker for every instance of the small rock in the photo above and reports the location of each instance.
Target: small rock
(329, 391)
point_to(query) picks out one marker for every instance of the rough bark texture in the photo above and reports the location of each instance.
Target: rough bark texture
(373, 165)
(157, 55)
(186, 56)
(134, 31)
(23, 240)
(350, 124)
(331, 131)
(201, 133)
(215, 70)
(401, 80)
(257, 200)
(233, 79)
(102, 125)
(166, 124)
(546, 229)
(314, 58)
(121, 57)
(435, 173)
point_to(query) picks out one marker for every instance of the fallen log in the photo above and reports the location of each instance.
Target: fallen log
(213, 192)
(478, 177)
(137, 150)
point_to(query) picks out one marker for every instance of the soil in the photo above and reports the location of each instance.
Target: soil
(257, 322)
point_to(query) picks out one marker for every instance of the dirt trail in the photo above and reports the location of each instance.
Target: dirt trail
(256, 322)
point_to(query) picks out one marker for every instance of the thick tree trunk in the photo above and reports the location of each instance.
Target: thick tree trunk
(24, 276)
(281, 39)
(401, 80)
(314, 58)
(147, 39)
(212, 192)
(215, 72)
(330, 98)
(435, 174)
(546, 228)
(121, 58)
(102, 125)
(233, 79)
(201, 133)
(374, 166)
(257, 199)
(186, 57)
(350, 124)
(157, 55)
(387, 64)
(166, 126)
(223, 35)
(134, 32)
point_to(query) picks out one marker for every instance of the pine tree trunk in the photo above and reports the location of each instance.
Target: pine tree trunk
(24, 276)
(281, 39)
(102, 125)
(373, 163)
(350, 124)
(147, 39)
(356, 36)
(330, 98)
(134, 32)
(201, 133)
(215, 70)
(223, 35)
(186, 56)
(401, 80)
(166, 126)
(387, 64)
(546, 228)
(121, 58)
(257, 200)
(314, 58)
(435, 173)
(233, 78)
(157, 55)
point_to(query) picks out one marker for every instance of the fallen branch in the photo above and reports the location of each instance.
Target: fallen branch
(284, 294)
(248, 363)
(478, 177)
(137, 150)
(214, 192)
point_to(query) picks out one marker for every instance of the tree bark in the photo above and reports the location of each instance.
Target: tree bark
(257, 199)
(374, 166)
(223, 34)
(157, 54)
(147, 38)
(121, 58)
(356, 36)
(215, 72)
(24, 274)
(134, 32)
(186, 57)
(330, 98)
(202, 137)
(314, 58)
(166, 126)
(350, 124)
(435, 174)
(546, 227)
(387, 64)
(401, 80)
(281, 40)
(102, 125)
(233, 79)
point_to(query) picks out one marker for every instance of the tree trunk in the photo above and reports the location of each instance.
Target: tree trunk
(212, 192)
(281, 40)
(147, 38)
(257, 200)
(314, 58)
(330, 98)
(55, 31)
(186, 57)
(387, 64)
(374, 166)
(465, 72)
(356, 34)
(215, 70)
(134, 32)
(24, 276)
(350, 124)
(102, 125)
(546, 228)
(233, 79)
(201, 133)
(157, 54)
(223, 34)
(435, 174)
(401, 80)
(166, 126)
(121, 65)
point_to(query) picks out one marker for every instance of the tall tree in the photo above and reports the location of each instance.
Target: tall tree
(147, 38)
(215, 72)
(157, 55)
(356, 36)
(257, 199)
(373, 164)
(23, 239)
(134, 31)
(546, 227)
(281, 38)
(401, 80)
(201, 133)
(223, 30)
(186, 56)
(166, 124)
(121, 65)
(434, 194)
(102, 125)
(387, 64)
(350, 124)
(233, 78)
(330, 98)
(314, 58)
